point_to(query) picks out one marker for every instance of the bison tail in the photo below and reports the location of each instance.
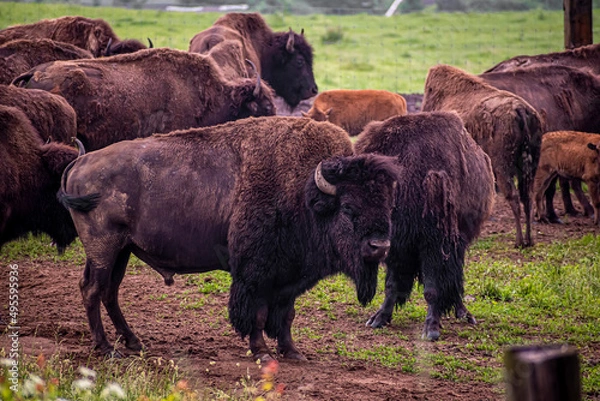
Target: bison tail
(84, 203)
(242, 309)
(531, 128)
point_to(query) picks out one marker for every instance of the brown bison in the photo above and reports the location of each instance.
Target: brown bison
(93, 35)
(150, 91)
(568, 99)
(283, 59)
(445, 193)
(52, 117)
(280, 202)
(30, 174)
(569, 154)
(507, 128)
(19, 56)
(586, 57)
(353, 109)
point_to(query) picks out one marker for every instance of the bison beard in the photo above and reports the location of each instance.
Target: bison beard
(255, 191)
(445, 193)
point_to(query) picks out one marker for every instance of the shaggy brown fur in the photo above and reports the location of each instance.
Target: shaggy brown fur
(283, 59)
(29, 179)
(229, 56)
(150, 91)
(19, 56)
(568, 99)
(86, 33)
(507, 128)
(445, 194)
(587, 57)
(185, 201)
(353, 109)
(51, 115)
(568, 154)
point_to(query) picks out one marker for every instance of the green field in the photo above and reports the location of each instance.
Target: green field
(358, 51)
(551, 291)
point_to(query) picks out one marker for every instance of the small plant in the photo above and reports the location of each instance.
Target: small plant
(332, 35)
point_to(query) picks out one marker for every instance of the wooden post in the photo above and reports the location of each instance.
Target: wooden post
(542, 373)
(578, 23)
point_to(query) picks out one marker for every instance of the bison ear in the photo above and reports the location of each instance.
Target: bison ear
(289, 46)
(304, 114)
(328, 113)
(592, 146)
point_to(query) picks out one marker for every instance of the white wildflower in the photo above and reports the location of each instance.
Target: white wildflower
(86, 372)
(113, 390)
(83, 384)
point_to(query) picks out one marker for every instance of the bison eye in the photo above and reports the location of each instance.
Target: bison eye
(300, 62)
(348, 211)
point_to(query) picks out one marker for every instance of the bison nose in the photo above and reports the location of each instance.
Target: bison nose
(314, 90)
(375, 250)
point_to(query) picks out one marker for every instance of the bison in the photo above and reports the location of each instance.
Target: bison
(569, 154)
(283, 199)
(507, 128)
(568, 99)
(353, 109)
(586, 57)
(52, 117)
(445, 193)
(283, 59)
(30, 174)
(19, 56)
(150, 91)
(93, 35)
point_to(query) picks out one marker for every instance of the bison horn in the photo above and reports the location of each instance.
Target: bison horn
(289, 46)
(323, 185)
(107, 51)
(257, 87)
(80, 147)
(150, 44)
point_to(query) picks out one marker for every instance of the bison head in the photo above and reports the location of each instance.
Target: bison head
(317, 114)
(255, 98)
(352, 200)
(288, 68)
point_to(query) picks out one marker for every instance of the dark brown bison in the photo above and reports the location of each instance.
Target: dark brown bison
(445, 193)
(353, 109)
(569, 154)
(283, 59)
(19, 56)
(507, 128)
(282, 198)
(150, 91)
(587, 57)
(52, 117)
(30, 174)
(93, 35)
(568, 99)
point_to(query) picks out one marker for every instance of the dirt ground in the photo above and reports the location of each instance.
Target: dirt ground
(207, 351)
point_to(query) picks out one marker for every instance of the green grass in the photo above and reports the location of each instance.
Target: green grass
(353, 52)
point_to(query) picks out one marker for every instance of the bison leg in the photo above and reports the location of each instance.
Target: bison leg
(399, 281)
(588, 209)
(258, 346)
(110, 299)
(507, 187)
(595, 195)
(550, 215)
(461, 312)
(285, 343)
(94, 279)
(565, 190)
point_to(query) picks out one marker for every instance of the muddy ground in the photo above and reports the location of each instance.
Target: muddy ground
(202, 343)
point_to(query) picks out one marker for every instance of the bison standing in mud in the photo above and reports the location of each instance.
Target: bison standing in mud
(19, 56)
(283, 198)
(30, 174)
(445, 193)
(353, 109)
(283, 59)
(506, 127)
(93, 35)
(150, 91)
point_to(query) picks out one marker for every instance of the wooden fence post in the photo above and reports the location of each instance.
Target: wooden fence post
(542, 373)
(578, 23)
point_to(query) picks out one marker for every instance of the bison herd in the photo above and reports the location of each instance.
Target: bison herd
(192, 167)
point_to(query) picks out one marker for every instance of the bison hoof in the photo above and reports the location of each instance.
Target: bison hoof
(294, 356)
(263, 357)
(431, 335)
(378, 320)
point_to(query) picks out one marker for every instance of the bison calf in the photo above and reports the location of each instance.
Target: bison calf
(445, 193)
(29, 179)
(353, 109)
(571, 155)
(283, 199)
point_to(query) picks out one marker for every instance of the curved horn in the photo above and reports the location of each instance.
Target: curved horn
(80, 147)
(150, 44)
(324, 186)
(289, 46)
(256, 92)
(107, 51)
